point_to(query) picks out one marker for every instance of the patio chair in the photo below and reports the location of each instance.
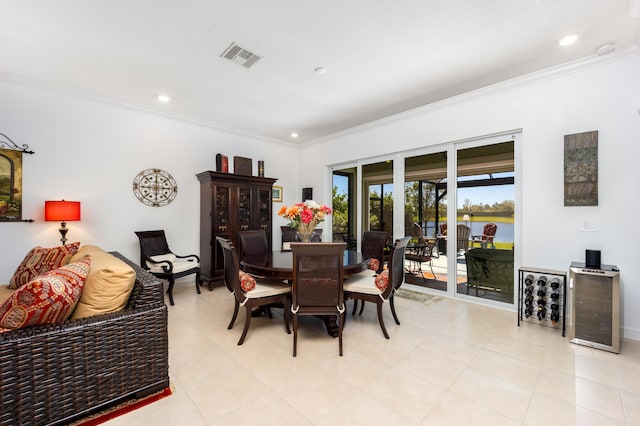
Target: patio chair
(488, 234)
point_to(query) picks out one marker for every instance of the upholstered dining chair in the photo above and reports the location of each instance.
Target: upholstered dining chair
(318, 272)
(159, 260)
(372, 248)
(250, 292)
(381, 288)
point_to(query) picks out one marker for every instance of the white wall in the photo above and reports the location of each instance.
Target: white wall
(90, 151)
(599, 95)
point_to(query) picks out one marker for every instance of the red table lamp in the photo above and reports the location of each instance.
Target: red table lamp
(62, 211)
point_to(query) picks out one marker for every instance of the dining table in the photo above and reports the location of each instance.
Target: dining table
(279, 265)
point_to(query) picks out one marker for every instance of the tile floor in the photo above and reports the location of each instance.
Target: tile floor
(450, 362)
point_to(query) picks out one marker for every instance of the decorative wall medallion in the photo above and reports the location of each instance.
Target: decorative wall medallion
(155, 187)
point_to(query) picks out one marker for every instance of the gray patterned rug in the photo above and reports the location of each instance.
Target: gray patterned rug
(427, 299)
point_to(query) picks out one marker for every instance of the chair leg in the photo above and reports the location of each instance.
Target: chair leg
(381, 321)
(247, 322)
(198, 282)
(355, 306)
(361, 307)
(340, 326)
(236, 306)
(393, 309)
(170, 290)
(295, 334)
(286, 314)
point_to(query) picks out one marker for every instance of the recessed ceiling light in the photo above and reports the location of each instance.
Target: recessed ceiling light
(294, 135)
(606, 48)
(320, 70)
(567, 40)
(163, 98)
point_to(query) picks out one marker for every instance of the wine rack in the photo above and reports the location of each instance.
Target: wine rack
(541, 297)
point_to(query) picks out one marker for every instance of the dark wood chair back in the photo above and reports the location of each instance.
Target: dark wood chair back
(231, 267)
(254, 245)
(372, 247)
(318, 273)
(288, 237)
(396, 266)
(152, 243)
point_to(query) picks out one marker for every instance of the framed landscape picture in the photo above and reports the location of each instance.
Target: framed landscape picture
(276, 194)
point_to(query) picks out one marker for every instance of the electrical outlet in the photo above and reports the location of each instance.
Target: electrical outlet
(588, 225)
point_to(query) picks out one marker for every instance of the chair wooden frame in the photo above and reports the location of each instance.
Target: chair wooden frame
(318, 274)
(154, 243)
(276, 291)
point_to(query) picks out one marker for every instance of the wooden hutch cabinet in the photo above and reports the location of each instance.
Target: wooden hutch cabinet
(228, 204)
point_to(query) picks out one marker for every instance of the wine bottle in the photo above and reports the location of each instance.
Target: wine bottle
(542, 280)
(555, 284)
(528, 280)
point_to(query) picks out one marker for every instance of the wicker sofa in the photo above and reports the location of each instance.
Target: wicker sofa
(55, 374)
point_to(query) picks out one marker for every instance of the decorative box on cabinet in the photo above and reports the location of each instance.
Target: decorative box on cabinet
(229, 204)
(541, 297)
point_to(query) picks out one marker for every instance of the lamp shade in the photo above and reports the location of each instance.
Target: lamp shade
(466, 218)
(61, 211)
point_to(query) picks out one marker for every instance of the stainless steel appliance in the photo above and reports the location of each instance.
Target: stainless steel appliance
(594, 306)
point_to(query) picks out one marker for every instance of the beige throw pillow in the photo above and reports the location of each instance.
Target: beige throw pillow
(108, 285)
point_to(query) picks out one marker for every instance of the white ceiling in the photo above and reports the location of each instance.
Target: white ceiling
(382, 56)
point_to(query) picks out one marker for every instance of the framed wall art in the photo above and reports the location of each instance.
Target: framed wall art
(276, 194)
(11, 180)
(581, 169)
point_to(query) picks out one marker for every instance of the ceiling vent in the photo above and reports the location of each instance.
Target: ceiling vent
(240, 56)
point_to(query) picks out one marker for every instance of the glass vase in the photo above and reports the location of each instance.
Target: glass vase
(305, 230)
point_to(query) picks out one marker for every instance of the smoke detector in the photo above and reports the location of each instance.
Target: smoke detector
(239, 55)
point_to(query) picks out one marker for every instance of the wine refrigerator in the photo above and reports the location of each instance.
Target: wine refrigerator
(594, 306)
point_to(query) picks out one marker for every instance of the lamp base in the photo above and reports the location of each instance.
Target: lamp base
(63, 232)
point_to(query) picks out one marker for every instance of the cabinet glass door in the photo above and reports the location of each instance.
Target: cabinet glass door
(244, 209)
(264, 208)
(221, 204)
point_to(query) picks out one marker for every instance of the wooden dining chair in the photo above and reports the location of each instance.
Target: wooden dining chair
(381, 288)
(372, 248)
(254, 245)
(318, 272)
(251, 292)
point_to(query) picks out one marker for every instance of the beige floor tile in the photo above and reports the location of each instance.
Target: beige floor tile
(547, 410)
(455, 411)
(450, 362)
(505, 397)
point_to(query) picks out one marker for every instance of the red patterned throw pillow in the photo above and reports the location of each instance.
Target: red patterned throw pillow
(247, 282)
(40, 260)
(382, 280)
(47, 299)
(374, 264)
